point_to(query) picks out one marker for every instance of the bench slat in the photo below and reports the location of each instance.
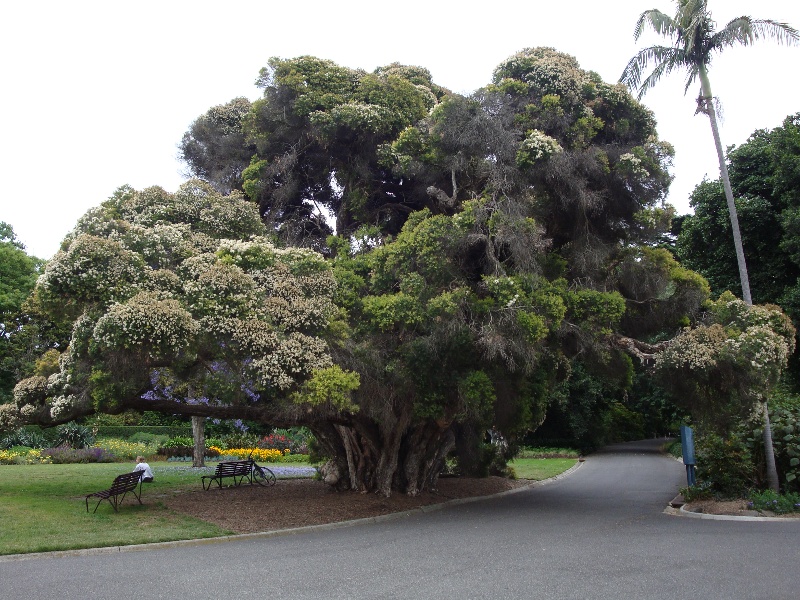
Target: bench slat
(127, 482)
(231, 468)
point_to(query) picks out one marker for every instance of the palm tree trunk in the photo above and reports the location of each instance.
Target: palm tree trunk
(769, 453)
(708, 108)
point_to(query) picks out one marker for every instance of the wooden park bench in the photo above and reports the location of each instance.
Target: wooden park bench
(128, 482)
(238, 470)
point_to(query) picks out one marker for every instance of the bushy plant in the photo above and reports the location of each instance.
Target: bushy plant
(178, 441)
(74, 435)
(124, 450)
(257, 454)
(239, 440)
(66, 455)
(725, 464)
(777, 503)
(275, 441)
(30, 436)
(785, 422)
(23, 456)
(151, 439)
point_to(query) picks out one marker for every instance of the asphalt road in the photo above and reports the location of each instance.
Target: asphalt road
(599, 533)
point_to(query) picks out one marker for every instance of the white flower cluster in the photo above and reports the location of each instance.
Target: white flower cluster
(30, 391)
(760, 347)
(537, 146)
(694, 349)
(630, 164)
(297, 357)
(164, 274)
(547, 71)
(92, 269)
(62, 406)
(146, 323)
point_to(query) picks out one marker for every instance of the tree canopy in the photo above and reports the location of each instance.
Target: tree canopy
(489, 250)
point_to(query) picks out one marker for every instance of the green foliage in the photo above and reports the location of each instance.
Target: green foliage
(127, 432)
(18, 273)
(725, 464)
(780, 504)
(331, 387)
(785, 424)
(74, 435)
(719, 372)
(29, 436)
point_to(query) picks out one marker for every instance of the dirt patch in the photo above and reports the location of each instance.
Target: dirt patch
(301, 502)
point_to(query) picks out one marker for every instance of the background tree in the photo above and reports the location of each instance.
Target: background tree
(18, 273)
(764, 179)
(695, 42)
(215, 147)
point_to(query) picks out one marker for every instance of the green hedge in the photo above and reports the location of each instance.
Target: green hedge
(126, 431)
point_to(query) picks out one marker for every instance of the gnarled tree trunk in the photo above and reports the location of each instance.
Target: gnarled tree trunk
(199, 437)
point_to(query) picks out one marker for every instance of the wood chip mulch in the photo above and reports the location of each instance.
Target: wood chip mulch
(300, 502)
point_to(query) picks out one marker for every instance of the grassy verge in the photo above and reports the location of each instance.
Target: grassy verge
(42, 508)
(540, 468)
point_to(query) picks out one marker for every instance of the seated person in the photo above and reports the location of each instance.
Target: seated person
(147, 477)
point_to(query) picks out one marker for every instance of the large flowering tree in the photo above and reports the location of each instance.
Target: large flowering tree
(180, 303)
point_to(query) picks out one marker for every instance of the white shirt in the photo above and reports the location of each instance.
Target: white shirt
(143, 466)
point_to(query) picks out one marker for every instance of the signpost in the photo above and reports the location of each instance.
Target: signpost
(687, 448)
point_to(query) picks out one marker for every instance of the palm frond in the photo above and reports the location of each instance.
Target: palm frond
(673, 62)
(632, 74)
(692, 72)
(745, 30)
(660, 22)
(666, 60)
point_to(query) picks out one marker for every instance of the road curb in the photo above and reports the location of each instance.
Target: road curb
(682, 512)
(282, 532)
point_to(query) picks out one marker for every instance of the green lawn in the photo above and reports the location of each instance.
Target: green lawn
(540, 468)
(43, 508)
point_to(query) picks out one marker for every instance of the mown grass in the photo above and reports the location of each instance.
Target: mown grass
(540, 468)
(43, 508)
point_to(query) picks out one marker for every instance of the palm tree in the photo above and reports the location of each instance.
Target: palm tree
(694, 43)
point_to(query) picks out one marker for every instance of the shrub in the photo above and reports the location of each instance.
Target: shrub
(785, 422)
(24, 457)
(258, 454)
(125, 432)
(239, 440)
(544, 452)
(178, 441)
(777, 503)
(124, 450)
(67, 455)
(151, 439)
(74, 435)
(275, 441)
(725, 465)
(30, 436)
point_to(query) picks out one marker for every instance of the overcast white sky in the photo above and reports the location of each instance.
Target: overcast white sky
(98, 94)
